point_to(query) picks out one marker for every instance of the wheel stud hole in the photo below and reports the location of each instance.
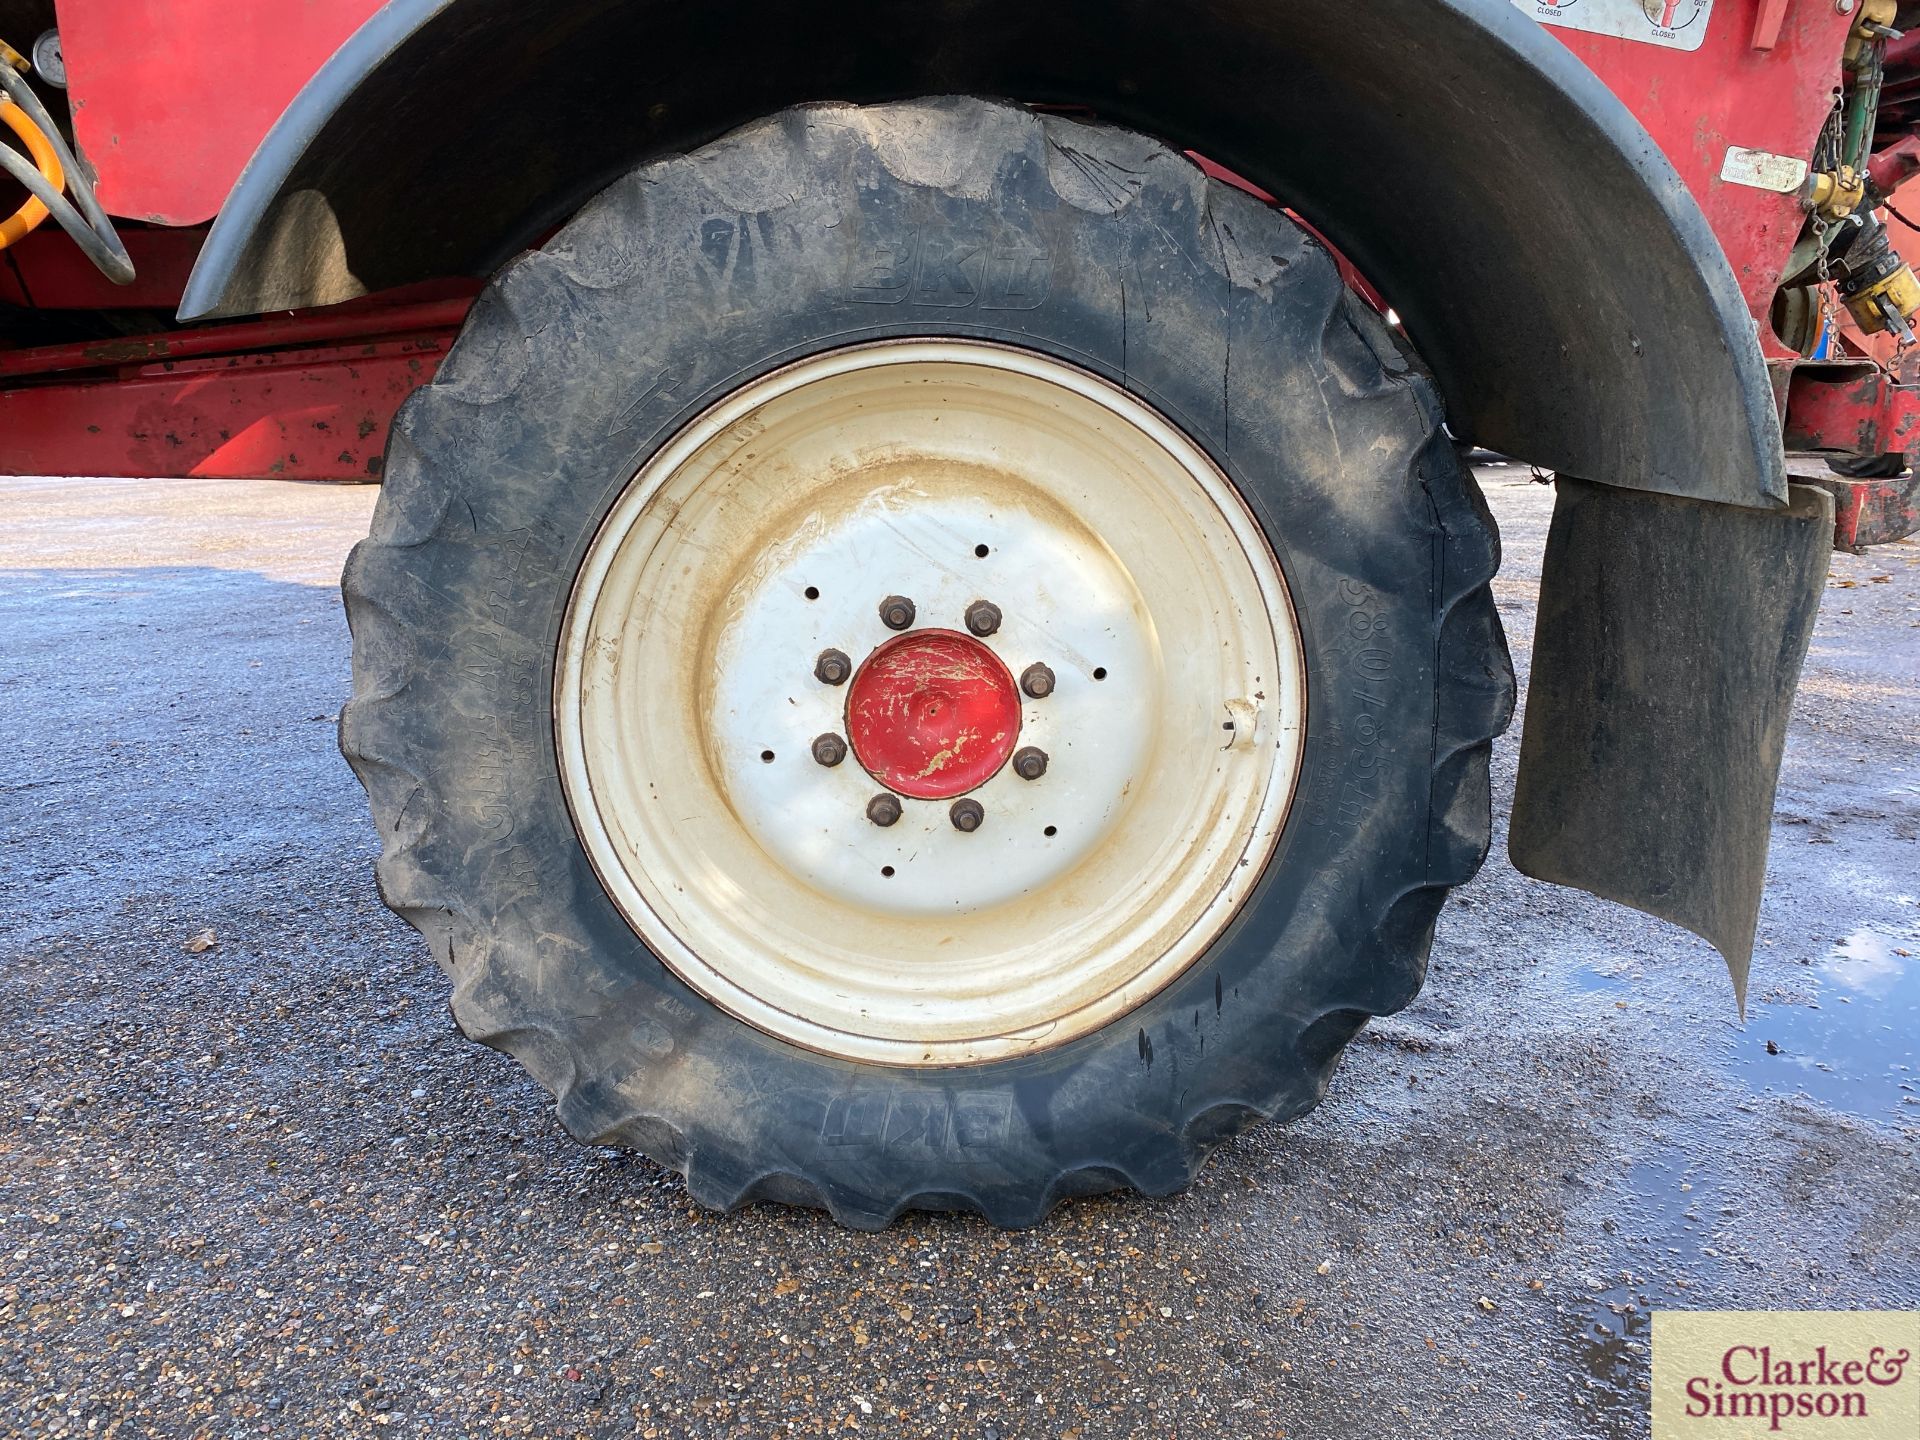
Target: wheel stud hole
(1051, 830)
(766, 756)
(812, 592)
(1100, 672)
(980, 551)
(887, 870)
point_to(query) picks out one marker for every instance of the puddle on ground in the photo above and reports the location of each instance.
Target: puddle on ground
(1610, 1349)
(1850, 1044)
(1604, 975)
(1669, 1208)
(1662, 1215)
(1845, 1027)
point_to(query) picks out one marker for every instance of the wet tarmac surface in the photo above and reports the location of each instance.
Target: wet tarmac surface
(263, 1188)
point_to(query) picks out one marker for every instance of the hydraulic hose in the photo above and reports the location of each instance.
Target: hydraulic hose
(112, 259)
(32, 212)
(88, 224)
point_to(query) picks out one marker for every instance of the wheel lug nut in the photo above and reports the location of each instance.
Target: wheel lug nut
(1029, 762)
(829, 749)
(883, 810)
(983, 617)
(966, 815)
(1037, 681)
(896, 612)
(833, 667)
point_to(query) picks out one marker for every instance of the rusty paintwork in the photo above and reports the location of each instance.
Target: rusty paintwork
(311, 414)
(307, 397)
(1870, 512)
(1856, 409)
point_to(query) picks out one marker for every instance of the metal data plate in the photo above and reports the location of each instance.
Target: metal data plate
(1783, 174)
(1673, 24)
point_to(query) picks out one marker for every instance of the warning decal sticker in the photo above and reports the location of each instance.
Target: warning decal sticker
(1675, 24)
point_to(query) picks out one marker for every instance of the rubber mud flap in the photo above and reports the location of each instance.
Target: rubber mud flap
(1669, 641)
(832, 225)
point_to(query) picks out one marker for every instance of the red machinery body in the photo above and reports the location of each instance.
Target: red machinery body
(1735, 92)
(1763, 78)
(133, 64)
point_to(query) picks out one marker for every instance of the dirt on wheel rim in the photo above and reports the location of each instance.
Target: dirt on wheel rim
(702, 757)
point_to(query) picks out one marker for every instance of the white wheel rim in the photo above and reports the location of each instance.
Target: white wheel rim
(1114, 546)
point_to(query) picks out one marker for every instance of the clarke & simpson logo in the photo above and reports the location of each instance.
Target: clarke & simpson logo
(1753, 1384)
(1807, 1374)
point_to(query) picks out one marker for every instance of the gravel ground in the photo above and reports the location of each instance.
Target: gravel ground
(266, 1188)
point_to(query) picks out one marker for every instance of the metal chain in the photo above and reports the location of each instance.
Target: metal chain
(1826, 156)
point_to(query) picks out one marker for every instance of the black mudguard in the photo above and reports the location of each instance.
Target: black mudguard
(1548, 263)
(1669, 641)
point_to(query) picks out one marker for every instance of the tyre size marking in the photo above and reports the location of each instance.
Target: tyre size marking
(967, 1126)
(670, 1006)
(1363, 761)
(1671, 24)
(949, 272)
(488, 746)
(1344, 791)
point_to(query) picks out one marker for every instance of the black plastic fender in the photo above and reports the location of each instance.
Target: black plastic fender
(1575, 307)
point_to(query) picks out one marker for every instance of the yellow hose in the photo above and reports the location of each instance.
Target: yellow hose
(27, 218)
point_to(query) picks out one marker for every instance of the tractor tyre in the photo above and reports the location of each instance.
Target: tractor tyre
(925, 656)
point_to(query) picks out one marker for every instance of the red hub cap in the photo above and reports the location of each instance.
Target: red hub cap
(932, 714)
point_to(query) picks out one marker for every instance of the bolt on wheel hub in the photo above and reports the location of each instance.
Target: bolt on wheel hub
(932, 714)
(1009, 863)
